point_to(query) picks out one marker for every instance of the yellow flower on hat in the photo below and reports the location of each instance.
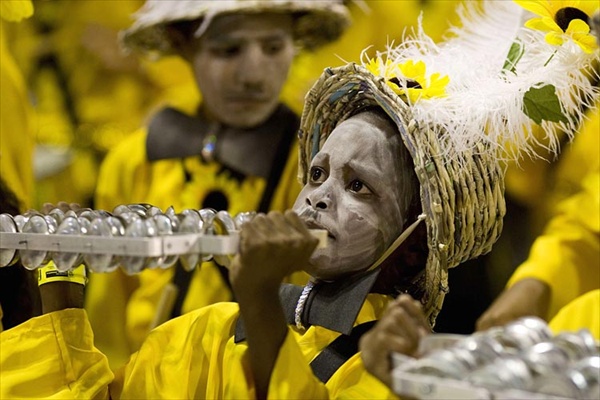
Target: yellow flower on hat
(418, 84)
(421, 86)
(563, 19)
(387, 70)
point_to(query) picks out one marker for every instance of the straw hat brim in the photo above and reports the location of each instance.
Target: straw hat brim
(317, 22)
(462, 196)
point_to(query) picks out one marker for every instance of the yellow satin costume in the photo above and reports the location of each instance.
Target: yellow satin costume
(195, 356)
(53, 357)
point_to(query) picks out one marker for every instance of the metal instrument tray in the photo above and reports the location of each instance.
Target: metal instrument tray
(144, 247)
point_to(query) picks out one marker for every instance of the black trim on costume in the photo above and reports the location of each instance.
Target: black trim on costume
(334, 306)
(182, 280)
(281, 157)
(338, 352)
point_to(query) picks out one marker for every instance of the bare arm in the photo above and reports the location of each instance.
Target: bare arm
(272, 246)
(61, 295)
(528, 297)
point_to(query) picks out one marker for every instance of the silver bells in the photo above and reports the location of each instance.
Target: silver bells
(522, 358)
(134, 237)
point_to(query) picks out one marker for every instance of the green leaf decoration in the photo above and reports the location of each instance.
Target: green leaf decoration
(514, 55)
(542, 104)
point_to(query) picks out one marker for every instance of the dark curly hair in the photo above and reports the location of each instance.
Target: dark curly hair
(19, 294)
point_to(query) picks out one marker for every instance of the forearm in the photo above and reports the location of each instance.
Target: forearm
(61, 290)
(266, 329)
(61, 295)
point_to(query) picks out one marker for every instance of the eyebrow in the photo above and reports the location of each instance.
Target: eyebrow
(321, 157)
(225, 38)
(362, 170)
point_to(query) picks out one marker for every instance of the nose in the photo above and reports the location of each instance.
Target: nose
(252, 68)
(318, 201)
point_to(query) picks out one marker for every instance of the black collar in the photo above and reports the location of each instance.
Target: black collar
(332, 305)
(173, 134)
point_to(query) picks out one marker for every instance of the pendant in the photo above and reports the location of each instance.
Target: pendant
(209, 146)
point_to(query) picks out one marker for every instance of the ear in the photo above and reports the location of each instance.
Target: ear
(403, 270)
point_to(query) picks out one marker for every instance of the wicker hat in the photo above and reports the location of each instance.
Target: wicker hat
(457, 156)
(318, 22)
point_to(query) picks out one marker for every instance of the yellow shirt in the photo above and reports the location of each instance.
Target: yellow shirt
(194, 356)
(53, 357)
(583, 312)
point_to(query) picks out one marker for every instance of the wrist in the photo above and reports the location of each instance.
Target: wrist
(61, 290)
(49, 274)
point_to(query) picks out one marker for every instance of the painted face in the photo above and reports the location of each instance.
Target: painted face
(355, 193)
(241, 63)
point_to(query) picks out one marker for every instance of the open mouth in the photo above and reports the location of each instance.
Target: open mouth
(311, 224)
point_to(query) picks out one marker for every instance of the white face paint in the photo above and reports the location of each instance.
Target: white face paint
(241, 63)
(355, 193)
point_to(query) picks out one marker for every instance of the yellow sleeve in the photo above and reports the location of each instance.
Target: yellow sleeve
(583, 312)
(567, 255)
(193, 356)
(53, 357)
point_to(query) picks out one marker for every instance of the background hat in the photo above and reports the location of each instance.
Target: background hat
(461, 108)
(318, 22)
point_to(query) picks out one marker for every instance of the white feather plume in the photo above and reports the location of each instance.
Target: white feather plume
(485, 100)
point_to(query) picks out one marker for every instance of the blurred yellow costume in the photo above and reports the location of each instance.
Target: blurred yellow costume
(16, 123)
(583, 312)
(567, 255)
(88, 95)
(53, 357)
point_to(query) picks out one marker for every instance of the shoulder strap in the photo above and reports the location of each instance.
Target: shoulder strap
(338, 352)
(181, 279)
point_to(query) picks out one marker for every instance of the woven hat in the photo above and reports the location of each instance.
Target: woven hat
(318, 22)
(461, 109)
